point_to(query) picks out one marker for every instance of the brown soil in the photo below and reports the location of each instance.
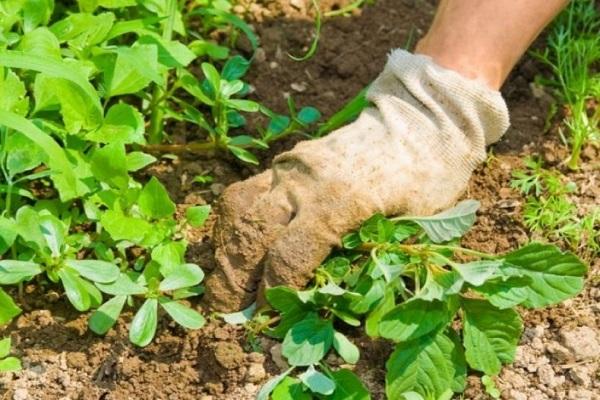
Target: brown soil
(62, 360)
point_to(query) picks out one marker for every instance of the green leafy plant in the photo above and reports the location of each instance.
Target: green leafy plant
(406, 279)
(573, 48)
(549, 210)
(8, 364)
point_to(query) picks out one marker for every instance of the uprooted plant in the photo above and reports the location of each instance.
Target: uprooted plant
(447, 308)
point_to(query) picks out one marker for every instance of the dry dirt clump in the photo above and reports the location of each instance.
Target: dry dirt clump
(558, 357)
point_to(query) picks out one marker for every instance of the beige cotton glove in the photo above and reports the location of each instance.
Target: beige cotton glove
(412, 153)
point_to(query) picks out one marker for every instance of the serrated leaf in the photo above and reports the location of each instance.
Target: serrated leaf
(143, 326)
(183, 315)
(95, 270)
(184, 275)
(8, 308)
(106, 315)
(154, 200)
(345, 348)
(413, 319)
(308, 341)
(197, 215)
(555, 276)
(448, 224)
(317, 382)
(490, 335)
(13, 271)
(428, 366)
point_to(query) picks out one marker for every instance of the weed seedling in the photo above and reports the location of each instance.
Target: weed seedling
(8, 364)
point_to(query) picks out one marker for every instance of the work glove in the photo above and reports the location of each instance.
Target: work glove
(412, 153)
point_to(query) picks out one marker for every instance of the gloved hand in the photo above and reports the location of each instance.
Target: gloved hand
(413, 153)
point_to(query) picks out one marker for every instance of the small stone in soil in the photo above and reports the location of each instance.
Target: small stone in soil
(582, 341)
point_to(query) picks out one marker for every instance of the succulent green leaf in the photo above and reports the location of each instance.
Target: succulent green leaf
(345, 348)
(290, 389)
(184, 275)
(10, 364)
(265, 391)
(308, 115)
(75, 289)
(183, 315)
(235, 68)
(8, 233)
(428, 366)
(317, 382)
(5, 347)
(169, 255)
(555, 276)
(53, 231)
(106, 315)
(243, 155)
(143, 326)
(348, 386)
(124, 285)
(13, 271)
(448, 224)
(308, 341)
(490, 335)
(212, 76)
(95, 270)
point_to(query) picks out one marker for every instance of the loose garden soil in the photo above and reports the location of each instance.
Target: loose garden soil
(560, 351)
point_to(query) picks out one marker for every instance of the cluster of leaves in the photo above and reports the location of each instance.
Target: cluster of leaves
(406, 279)
(572, 54)
(549, 209)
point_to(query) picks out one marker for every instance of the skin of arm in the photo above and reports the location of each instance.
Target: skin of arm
(484, 39)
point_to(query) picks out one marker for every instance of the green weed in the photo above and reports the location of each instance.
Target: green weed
(8, 364)
(572, 52)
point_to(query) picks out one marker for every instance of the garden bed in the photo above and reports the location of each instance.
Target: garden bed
(560, 350)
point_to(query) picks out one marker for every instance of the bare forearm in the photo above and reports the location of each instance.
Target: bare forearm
(484, 39)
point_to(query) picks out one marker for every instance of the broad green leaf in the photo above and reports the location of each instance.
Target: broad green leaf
(235, 68)
(240, 317)
(63, 177)
(154, 200)
(184, 275)
(441, 284)
(10, 364)
(54, 232)
(95, 270)
(212, 76)
(372, 292)
(278, 124)
(28, 227)
(376, 229)
(292, 309)
(5, 347)
(36, 12)
(22, 154)
(265, 391)
(14, 96)
(121, 227)
(478, 272)
(137, 160)
(124, 285)
(171, 53)
(109, 165)
(82, 30)
(40, 42)
(490, 335)
(122, 124)
(183, 315)
(106, 315)
(505, 292)
(308, 341)
(8, 308)
(413, 319)
(130, 69)
(290, 389)
(555, 276)
(13, 271)
(196, 216)
(169, 255)
(243, 154)
(345, 348)
(317, 382)
(308, 115)
(116, 3)
(206, 48)
(348, 386)
(75, 289)
(374, 317)
(143, 326)
(8, 233)
(448, 224)
(428, 366)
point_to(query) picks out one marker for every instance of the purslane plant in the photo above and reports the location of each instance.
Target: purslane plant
(8, 364)
(447, 308)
